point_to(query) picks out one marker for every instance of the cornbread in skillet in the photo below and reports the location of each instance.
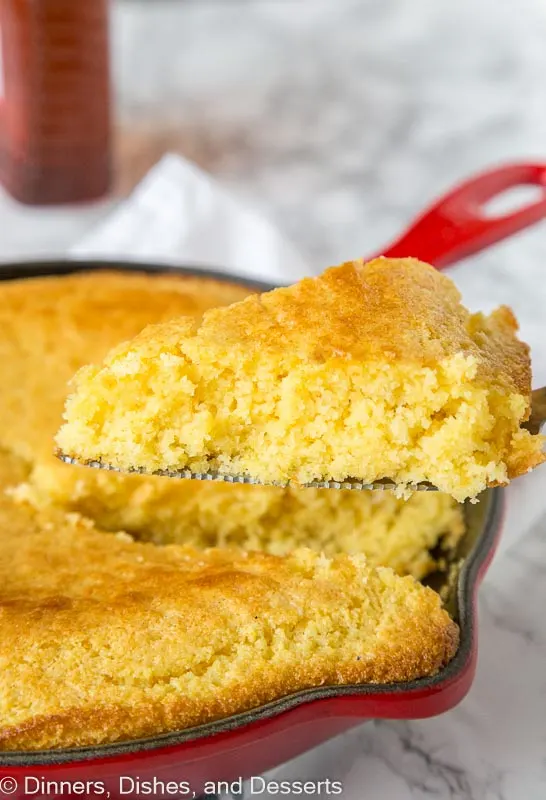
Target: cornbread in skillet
(389, 531)
(51, 326)
(105, 639)
(368, 371)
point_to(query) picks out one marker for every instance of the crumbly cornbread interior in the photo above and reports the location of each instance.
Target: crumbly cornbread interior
(105, 638)
(368, 371)
(412, 536)
(51, 326)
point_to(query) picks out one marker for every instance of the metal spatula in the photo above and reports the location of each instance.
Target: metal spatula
(454, 227)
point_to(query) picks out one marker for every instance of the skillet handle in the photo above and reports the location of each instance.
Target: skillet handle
(457, 226)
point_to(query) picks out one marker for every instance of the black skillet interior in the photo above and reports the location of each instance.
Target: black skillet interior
(457, 583)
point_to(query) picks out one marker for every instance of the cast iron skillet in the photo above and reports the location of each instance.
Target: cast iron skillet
(259, 739)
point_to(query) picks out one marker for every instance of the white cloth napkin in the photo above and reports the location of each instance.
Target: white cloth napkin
(179, 215)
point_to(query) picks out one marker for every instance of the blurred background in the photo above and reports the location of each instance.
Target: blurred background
(337, 120)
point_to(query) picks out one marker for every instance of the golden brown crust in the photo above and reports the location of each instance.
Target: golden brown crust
(116, 640)
(394, 309)
(77, 728)
(51, 326)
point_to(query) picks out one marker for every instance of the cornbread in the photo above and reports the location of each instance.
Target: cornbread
(369, 371)
(105, 639)
(13, 470)
(51, 326)
(389, 531)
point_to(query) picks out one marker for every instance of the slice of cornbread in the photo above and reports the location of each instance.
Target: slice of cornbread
(368, 371)
(105, 639)
(412, 536)
(51, 326)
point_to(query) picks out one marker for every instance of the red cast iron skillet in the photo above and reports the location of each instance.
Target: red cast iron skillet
(259, 739)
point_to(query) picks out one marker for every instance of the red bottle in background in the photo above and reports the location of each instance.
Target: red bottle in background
(55, 131)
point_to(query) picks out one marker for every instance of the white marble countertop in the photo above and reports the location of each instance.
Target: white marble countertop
(340, 121)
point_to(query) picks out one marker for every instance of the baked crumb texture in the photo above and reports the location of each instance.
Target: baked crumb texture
(412, 536)
(105, 638)
(368, 371)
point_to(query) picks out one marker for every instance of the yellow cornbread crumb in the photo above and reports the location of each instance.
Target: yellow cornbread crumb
(369, 371)
(389, 531)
